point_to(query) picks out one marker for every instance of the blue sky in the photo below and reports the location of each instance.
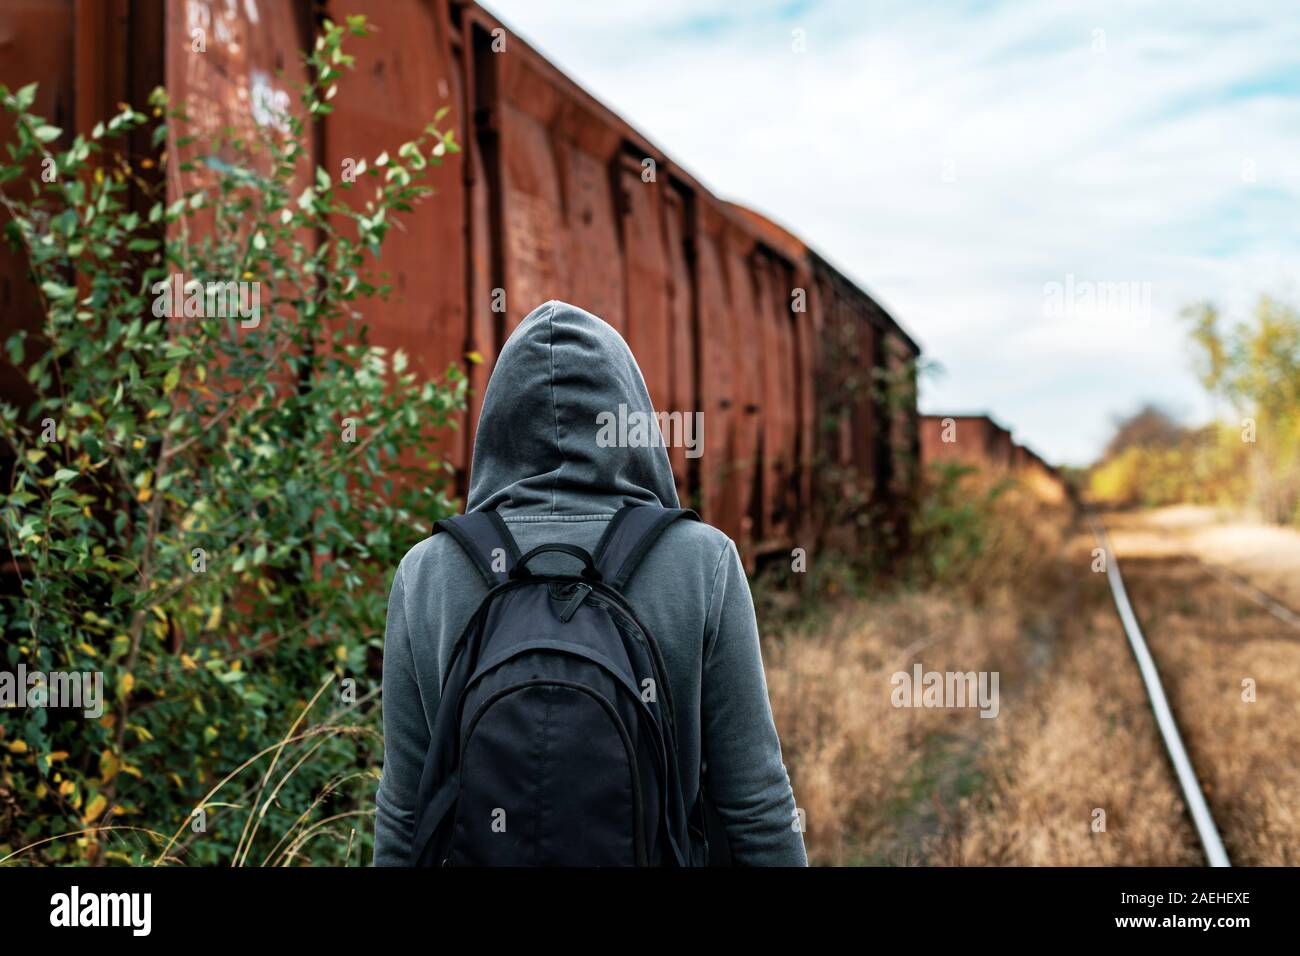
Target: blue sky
(991, 172)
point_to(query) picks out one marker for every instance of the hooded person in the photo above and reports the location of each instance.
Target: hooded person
(539, 463)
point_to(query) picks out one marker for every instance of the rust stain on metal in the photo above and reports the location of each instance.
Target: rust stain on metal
(402, 77)
(728, 313)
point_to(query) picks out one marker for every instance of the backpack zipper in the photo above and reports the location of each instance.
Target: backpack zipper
(580, 593)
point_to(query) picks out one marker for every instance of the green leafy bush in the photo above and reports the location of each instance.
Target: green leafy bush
(950, 527)
(205, 498)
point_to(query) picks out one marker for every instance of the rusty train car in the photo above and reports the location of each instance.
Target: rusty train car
(802, 377)
(980, 442)
(969, 440)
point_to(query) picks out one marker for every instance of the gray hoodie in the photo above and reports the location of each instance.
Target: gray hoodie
(538, 464)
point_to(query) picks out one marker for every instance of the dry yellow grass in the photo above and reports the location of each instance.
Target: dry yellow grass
(864, 771)
(1083, 742)
(1074, 734)
(852, 755)
(1208, 639)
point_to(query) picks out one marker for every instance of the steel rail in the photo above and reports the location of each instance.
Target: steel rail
(1248, 590)
(1193, 795)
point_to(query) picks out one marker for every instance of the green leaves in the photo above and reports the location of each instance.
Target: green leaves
(25, 97)
(57, 293)
(190, 519)
(1253, 366)
(14, 347)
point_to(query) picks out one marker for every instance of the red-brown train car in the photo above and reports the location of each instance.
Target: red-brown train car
(798, 371)
(980, 442)
(967, 439)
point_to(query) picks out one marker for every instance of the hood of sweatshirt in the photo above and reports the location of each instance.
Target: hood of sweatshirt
(560, 388)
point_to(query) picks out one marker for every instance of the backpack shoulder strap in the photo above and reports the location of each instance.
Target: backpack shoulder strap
(632, 532)
(483, 536)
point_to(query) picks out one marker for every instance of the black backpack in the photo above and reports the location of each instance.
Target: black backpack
(553, 743)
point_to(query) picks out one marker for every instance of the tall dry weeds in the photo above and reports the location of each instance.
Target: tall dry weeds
(864, 771)
(1072, 771)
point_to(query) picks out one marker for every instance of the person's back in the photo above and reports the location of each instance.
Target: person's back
(539, 464)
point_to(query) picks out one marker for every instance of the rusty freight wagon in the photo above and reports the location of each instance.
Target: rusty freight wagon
(980, 442)
(806, 384)
(969, 440)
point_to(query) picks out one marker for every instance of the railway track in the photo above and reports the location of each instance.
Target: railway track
(1193, 793)
(1250, 592)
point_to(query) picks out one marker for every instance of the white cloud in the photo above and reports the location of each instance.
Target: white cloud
(1125, 164)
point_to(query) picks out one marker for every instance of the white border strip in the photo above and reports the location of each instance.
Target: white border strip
(1215, 854)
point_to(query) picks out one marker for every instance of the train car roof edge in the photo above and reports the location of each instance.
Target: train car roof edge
(737, 213)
